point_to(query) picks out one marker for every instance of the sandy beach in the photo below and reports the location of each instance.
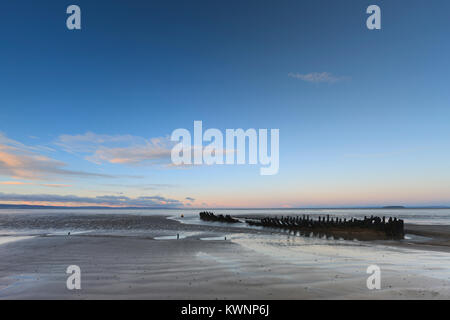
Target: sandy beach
(116, 263)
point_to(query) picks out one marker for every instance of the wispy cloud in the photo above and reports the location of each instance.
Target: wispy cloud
(125, 149)
(4, 140)
(106, 200)
(318, 77)
(20, 161)
(190, 199)
(154, 151)
(118, 149)
(89, 142)
(21, 183)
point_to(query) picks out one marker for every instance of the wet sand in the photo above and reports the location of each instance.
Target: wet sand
(426, 237)
(119, 265)
(437, 232)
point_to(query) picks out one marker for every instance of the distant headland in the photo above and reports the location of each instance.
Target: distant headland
(393, 207)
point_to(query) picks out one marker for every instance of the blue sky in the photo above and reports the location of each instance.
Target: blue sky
(374, 131)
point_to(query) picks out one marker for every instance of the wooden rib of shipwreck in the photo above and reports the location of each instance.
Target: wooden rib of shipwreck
(209, 216)
(373, 228)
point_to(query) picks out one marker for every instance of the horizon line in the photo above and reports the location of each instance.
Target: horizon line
(392, 207)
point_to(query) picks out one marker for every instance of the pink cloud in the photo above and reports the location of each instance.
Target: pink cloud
(19, 161)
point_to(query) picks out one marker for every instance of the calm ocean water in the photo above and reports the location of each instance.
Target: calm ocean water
(416, 216)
